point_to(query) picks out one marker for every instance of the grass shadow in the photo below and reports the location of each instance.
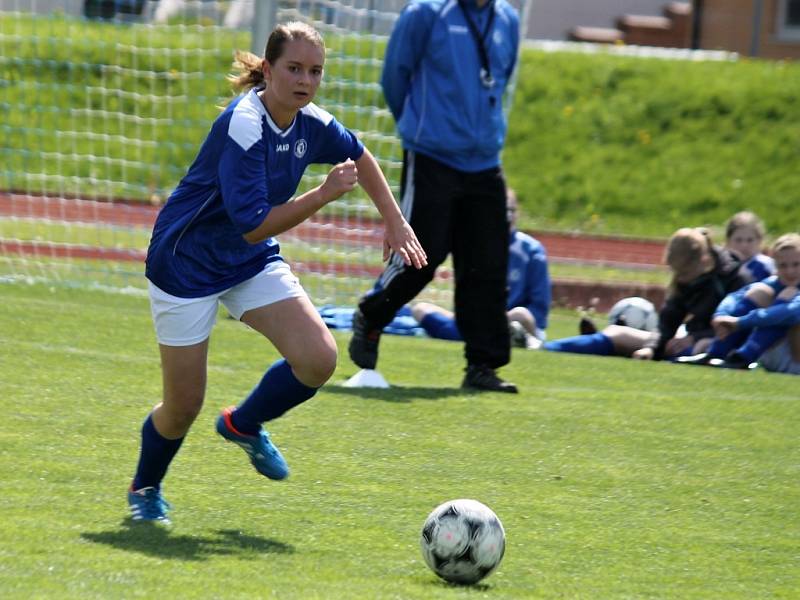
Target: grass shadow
(479, 587)
(398, 393)
(157, 540)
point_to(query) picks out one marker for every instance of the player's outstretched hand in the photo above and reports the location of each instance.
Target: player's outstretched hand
(679, 345)
(724, 325)
(643, 354)
(400, 238)
(341, 179)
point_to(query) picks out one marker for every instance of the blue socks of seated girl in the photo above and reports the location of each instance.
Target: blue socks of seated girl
(750, 343)
(278, 391)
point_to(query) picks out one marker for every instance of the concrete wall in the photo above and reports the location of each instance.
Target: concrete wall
(69, 7)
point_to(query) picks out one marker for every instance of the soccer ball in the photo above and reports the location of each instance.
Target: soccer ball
(462, 541)
(634, 312)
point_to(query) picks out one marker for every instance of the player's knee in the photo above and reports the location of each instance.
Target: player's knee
(421, 309)
(760, 294)
(183, 412)
(317, 366)
(616, 332)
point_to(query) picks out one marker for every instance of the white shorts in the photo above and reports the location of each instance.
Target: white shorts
(779, 359)
(188, 321)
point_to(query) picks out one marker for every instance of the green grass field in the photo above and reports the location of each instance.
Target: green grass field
(614, 479)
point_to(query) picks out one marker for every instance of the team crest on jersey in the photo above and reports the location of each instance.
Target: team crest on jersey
(300, 147)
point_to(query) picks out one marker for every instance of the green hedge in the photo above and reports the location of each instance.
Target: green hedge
(643, 146)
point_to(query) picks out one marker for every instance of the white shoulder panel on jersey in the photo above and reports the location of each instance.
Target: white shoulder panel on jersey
(449, 6)
(245, 125)
(312, 110)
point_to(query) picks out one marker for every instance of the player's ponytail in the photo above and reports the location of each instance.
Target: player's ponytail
(251, 72)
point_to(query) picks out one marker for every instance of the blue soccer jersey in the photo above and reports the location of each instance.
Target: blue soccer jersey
(757, 267)
(246, 165)
(529, 277)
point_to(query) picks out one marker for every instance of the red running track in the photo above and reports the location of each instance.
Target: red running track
(565, 247)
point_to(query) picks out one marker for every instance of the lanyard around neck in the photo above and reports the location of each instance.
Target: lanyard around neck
(480, 40)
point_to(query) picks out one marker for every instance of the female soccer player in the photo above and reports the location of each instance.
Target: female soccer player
(744, 236)
(212, 242)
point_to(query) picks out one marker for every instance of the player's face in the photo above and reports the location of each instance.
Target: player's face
(745, 242)
(787, 264)
(689, 272)
(293, 80)
(511, 211)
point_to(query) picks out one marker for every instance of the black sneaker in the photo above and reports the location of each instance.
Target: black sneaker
(363, 347)
(483, 378)
(586, 326)
(734, 360)
(704, 359)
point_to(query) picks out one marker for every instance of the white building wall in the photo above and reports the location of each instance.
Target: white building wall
(552, 19)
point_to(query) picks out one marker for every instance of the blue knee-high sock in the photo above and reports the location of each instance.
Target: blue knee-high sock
(155, 455)
(721, 348)
(760, 340)
(278, 391)
(594, 343)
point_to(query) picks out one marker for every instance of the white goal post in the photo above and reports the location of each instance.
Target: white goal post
(103, 105)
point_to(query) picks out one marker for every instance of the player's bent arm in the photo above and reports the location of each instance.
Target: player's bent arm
(341, 179)
(399, 236)
(374, 183)
(284, 217)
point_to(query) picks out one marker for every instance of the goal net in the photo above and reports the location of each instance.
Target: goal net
(104, 104)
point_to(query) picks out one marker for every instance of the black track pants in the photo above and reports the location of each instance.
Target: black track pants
(464, 214)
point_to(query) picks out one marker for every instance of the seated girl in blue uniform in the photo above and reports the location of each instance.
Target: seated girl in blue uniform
(751, 320)
(744, 236)
(702, 275)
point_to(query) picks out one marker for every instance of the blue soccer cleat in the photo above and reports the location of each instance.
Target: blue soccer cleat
(266, 458)
(147, 504)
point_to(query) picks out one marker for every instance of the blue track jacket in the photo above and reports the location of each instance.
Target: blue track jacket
(431, 80)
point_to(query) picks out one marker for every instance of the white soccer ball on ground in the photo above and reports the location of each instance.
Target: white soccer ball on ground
(462, 541)
(635, 312)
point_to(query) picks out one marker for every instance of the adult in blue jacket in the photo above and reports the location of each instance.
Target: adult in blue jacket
(446, 69)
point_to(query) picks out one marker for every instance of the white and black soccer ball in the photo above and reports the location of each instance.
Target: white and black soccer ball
(463, 541)
(635, 312)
